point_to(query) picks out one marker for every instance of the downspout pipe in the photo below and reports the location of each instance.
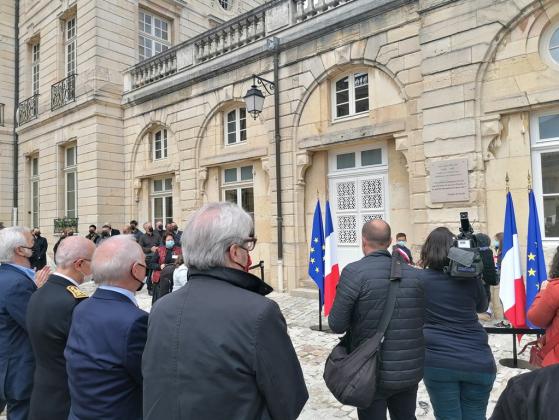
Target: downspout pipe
(16, 104)
(277, 140)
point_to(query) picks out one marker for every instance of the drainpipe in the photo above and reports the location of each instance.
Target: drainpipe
(16, 104)
(277, 140)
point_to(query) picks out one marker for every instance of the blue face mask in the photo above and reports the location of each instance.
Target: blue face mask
(401, 243)
(496, 244)
(170, 244)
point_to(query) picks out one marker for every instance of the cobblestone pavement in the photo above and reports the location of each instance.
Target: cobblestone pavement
(313, 347)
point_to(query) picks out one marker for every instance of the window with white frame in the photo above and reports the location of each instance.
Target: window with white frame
(236, 126)
(71, 181)
(34, 189)
(70, 45)
(237, 187)
(351, 95)
(154, 36)
(35, 62)
(554, 45)
(162, 200)
(545, 166)
(159, 144)
(226, 4)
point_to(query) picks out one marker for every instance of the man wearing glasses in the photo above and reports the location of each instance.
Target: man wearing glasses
(227, 353)
(107, 337)
(18, 282)
(49, 316)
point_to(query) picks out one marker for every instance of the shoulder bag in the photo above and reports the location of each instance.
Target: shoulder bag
(352, 377)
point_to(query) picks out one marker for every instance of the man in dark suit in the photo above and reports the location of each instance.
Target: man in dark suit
(107, 337)
(17, 284)
(49, 316)
(226, 353)
(39, 256)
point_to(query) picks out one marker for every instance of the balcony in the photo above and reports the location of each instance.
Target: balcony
(28, 109)
(63, 92)
(251, 28)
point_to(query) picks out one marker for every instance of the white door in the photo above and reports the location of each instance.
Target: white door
(355, 199)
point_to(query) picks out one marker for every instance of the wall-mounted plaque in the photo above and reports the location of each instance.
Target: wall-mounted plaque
(449, 181)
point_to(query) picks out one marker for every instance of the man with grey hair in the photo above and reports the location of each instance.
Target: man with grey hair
(49, 316)
(227, 354)
(107, 337)
(17, 284)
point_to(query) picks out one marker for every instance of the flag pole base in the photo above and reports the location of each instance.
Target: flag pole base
(323, 329)
(517, 364)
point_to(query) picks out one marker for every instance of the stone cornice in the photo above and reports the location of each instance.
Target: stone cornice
(358, 133)
(228, 156)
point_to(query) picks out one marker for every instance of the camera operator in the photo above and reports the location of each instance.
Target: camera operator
(489, 275)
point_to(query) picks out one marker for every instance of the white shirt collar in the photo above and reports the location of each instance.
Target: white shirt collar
(122, 291)
(71, 280)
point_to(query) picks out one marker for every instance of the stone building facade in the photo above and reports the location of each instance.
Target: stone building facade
(373, 96)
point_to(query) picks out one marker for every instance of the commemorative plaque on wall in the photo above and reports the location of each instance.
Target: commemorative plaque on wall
(449, 181)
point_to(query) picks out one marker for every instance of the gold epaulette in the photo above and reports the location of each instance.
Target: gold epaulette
(76, 292)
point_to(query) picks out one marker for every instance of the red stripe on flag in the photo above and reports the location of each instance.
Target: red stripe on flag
(330, 284)
(515, 314)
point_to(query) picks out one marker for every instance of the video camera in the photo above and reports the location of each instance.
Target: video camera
(464, 256)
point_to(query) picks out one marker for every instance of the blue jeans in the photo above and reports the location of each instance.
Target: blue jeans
(457, 394)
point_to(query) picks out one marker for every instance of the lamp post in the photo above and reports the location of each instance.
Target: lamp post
(254, 100)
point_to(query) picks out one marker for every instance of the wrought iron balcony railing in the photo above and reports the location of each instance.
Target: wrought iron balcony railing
(28, 109)
(2, 120)
(63, 92)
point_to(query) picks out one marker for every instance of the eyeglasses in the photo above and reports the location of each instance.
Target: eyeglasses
(251, 243)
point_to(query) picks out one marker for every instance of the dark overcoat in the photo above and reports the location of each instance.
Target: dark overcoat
(218, 349)
(49, 316)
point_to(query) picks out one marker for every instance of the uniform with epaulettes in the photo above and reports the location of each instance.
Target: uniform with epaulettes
(49, 316)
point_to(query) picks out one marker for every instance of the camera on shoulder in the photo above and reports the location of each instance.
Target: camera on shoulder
(464, 256)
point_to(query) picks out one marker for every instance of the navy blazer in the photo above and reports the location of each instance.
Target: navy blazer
(103, 358)
(16, 356)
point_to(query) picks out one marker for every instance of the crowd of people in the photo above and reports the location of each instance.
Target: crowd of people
(216, 348)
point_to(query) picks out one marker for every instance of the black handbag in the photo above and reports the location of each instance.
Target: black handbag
(352, 377)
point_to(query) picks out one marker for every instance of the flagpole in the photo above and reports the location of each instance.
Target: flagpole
(319, 295)
(319, 312)
(507, 183)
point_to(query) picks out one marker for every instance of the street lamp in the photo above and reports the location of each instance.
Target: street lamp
(254, 98)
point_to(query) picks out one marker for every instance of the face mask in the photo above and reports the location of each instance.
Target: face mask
(170, 244)
(86, 277)
(141, 286)
(496, 244)
(401, 243)
(249, 263)
(104, 233)
(150, 230)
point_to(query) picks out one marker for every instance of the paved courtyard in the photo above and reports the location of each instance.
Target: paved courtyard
(313, 348)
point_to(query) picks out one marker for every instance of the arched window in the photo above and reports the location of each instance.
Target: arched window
(350, 95)
(235, 122)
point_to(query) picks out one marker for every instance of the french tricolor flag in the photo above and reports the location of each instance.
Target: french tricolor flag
(512, 291)
(332, 270)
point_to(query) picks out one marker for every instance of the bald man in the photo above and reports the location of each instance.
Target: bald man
(360, 300)
(49, 316)
(107, 337)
